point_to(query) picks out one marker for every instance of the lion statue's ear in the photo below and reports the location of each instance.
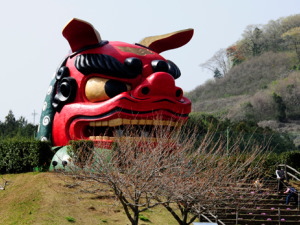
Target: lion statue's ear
(80, 34)
(168, 41)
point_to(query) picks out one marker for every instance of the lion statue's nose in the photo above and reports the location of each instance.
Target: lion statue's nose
(159, 84)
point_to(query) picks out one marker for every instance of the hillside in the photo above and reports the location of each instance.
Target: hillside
(257, 79)
(47, 198)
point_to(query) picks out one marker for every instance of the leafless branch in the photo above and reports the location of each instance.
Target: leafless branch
(166, 167)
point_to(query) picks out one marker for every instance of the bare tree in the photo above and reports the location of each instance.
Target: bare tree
(219, 61)
(135, 168)
(210, 177)
(165, 166)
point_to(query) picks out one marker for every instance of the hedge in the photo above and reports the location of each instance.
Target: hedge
(17, 156)
(291, 158)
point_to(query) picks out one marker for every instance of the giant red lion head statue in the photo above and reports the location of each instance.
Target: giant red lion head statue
(104, 85)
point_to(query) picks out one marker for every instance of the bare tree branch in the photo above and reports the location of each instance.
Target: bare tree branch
(218, 61)
(166, 167)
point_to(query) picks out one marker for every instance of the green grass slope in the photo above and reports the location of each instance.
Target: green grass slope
(46, 198)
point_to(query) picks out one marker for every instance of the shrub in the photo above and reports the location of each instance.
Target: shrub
(291, 158)
(281, 108)
(23, 155)
(248, 131)
(271, 163)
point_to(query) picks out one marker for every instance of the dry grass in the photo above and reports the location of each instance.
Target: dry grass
(45, 198)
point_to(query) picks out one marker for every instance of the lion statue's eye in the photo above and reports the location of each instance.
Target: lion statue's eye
(99, 89)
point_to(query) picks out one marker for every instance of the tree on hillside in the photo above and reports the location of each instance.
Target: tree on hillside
(293, 38)
(253, 44)
(256, 40)
(272, 36)
(166, 167)
(217, 74)
(290, 22)
(235, 55)
(281, 107)
(289, 89)
(219, 62)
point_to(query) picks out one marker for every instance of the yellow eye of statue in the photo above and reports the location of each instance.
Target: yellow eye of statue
(100, 89)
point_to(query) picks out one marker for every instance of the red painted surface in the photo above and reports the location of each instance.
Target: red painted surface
(152, 95)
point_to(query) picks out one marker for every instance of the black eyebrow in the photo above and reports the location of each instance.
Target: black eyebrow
(107, 65)
(173, 69)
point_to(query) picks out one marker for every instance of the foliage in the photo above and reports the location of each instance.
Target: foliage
(19, 151)
(233, 131)
(252, 44)
(217, 74)
(263, 61)
(16, 128)
(23, 155)
(244, 79)
(270, 164)
(293, 37)
(235, 55)
(281, 108)
(291, 158)
(258, 39)
(262, 105)
(289, 90)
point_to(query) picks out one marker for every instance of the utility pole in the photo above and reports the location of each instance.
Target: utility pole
(34, 114)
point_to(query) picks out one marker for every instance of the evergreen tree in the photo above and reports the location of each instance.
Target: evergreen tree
(10, 125)
(12, 128)
(281, 108)
(217, 74)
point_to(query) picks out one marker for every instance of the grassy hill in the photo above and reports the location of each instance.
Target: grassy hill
(261, 82)
(47, 198)
(246, 92)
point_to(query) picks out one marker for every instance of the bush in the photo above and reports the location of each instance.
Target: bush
(291, 158)
(245, 132)
(18, 156)
(271, 163)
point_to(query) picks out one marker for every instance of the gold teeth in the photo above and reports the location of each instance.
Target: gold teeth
(102, 138)
(120, 121)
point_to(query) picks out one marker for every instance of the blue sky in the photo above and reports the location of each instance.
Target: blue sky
(32, 45)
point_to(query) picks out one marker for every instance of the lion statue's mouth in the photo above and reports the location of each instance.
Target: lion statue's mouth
(115, 128)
